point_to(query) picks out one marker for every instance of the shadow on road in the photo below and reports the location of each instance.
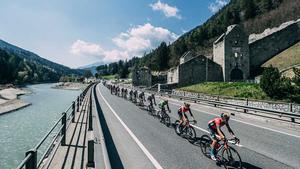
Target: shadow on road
(113, 154)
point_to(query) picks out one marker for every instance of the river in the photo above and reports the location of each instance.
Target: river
(22, 130)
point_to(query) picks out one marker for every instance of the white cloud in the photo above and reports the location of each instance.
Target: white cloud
(80, 47)
(169, 11)
(217, 5)
(134, 42)
(143, 37)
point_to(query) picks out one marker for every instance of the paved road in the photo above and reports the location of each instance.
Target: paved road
(137, 140)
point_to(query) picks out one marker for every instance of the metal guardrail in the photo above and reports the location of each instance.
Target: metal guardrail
(276, 105)
(30, 160)
(246, 108)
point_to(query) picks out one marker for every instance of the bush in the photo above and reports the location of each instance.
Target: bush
(278, 87)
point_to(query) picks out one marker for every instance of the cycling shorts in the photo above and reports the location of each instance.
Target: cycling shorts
(180, 115)
(213, 133)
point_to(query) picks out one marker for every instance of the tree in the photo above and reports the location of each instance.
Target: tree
(270, 81)
(162, 56)
(274, 85)
(87, 74)
(249, 9)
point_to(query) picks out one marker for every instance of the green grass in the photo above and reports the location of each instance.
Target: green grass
(109, 77)
(236, 89)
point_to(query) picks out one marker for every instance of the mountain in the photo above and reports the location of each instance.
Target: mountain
(92, 67)
(20, 66)
(32, 57)
(254, 15)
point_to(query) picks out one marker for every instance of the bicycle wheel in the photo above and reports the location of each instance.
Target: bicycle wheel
(205, 142)
(231, 158)
(167, 120)
(191, 134)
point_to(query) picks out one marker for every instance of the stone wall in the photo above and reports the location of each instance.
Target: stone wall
(142, 77)
(161, 79)
(264, 49)
(200, 69)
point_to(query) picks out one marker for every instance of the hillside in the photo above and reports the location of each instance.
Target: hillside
(286, 60)
(32, 57)
(20, 66)
(254, 15)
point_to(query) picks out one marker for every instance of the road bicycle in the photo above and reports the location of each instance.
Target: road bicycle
(151, 110)
(187, 131)
(164, 117)
(225, 153)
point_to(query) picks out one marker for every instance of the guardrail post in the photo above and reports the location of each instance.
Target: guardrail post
(91, 162)
(90, 116)
(291, 107)
(78, 104)
(73, 112)
(32, 162)
(247, 103)
(64, 128)
(80, 98)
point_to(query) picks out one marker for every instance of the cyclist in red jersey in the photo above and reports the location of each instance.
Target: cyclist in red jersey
(182, 113)
(214, 127)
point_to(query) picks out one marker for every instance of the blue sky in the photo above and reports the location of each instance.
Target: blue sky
(81, 32)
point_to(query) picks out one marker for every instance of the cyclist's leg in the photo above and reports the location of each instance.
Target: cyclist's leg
(212, 133)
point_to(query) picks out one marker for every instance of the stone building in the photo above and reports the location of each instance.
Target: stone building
(194, 69)
(142, 77)
(172, 76)
(231, 52)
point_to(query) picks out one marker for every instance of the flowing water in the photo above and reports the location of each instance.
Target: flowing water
(23, 129)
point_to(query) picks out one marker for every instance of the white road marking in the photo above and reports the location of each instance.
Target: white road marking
(266, 128)
(147, 153)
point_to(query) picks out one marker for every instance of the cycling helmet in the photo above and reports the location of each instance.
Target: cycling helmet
(225, 115)
(187, 104)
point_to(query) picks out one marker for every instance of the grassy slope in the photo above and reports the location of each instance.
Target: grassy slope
(109, 77)
(287, 58)
(238, 89)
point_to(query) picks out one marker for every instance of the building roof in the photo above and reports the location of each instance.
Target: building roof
(185, 54)
(229, 29)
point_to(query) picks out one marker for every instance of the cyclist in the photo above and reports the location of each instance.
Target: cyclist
(182, 114)
(214, 127)
(162, 105)
(125, 93)
(135, 94)
(130, 94)
(151, 100)
(142, 98)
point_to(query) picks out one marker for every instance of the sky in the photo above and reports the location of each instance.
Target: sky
(76, 33)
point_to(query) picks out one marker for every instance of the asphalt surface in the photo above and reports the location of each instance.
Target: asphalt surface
(137, 140)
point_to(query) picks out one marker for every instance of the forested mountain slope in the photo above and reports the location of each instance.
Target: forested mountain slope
(21, 66)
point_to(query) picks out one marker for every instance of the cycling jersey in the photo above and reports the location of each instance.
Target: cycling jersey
(162, 104)
(183, 109)
(216, 122)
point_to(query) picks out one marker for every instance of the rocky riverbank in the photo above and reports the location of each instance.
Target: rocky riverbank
(70, 86)
(9, 100)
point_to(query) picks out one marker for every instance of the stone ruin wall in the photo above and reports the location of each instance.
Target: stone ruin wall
(273, 41)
